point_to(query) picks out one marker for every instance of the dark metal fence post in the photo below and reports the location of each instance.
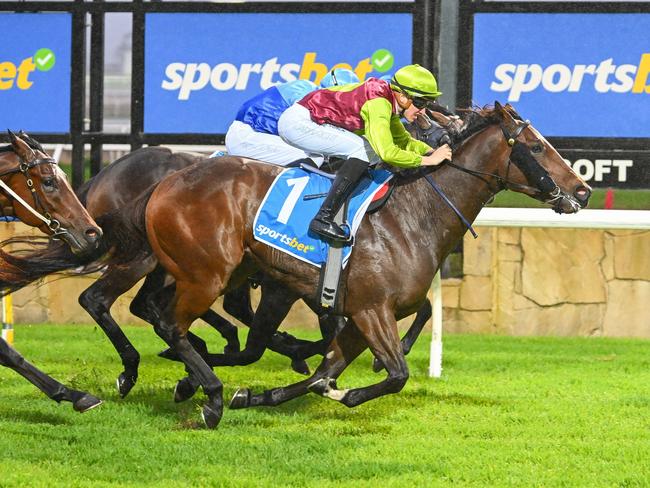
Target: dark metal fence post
(96, 88)
(77, 92)
(425, 33)
(137, 76)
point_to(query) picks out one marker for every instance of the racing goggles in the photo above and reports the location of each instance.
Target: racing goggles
(420, 102)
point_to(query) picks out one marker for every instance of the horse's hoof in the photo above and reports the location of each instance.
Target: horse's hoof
(377, 365)
(241, 399)
(169, 353)
(86, 402)
(300, 366)
(210, 417)
(184, 390)
(125, 383)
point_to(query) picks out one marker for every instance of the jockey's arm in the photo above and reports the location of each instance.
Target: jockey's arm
(377, 115)
(404, 140)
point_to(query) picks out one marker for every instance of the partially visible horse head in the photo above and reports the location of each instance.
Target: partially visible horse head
(433, 126)
(49, 202)
(538, 164)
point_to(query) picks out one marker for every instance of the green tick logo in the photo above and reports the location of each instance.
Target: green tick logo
(44, 59)
(382, 60)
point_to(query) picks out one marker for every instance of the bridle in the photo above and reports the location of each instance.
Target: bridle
(24, 168)
(503, 182)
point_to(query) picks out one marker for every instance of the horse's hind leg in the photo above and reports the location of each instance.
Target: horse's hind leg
(152, 298)
(345, 347)
(379, 328)
(98, 299)
(81, 401)
(190, 301)
(421, 318)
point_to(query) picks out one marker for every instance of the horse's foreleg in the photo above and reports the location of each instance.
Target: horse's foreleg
(299, 350)
(81, 401)
(421, 318)
(274, 306)
(345, 347)
(227, 330)
(379, 329)
(237, 303)
(98, 299)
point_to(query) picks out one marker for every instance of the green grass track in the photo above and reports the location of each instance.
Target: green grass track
(529, 412)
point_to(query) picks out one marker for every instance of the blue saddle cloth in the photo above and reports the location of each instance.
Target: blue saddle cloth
(294, 198)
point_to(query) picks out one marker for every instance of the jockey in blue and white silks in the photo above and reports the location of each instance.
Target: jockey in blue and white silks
(254, 133)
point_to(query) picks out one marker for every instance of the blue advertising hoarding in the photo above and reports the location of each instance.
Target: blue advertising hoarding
(573, 75)
(199, 68)
(35, 71)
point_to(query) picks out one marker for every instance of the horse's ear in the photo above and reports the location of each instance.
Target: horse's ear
(21, 148)
(505, 114)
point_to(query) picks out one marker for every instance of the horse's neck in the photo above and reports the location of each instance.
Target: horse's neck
(468, 193)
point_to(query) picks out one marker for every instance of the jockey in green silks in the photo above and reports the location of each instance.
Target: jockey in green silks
(361, 123)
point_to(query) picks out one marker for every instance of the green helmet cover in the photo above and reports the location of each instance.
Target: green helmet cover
(416, 81)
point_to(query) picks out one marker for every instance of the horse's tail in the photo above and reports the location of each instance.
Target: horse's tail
(32, 258)
(125, 231)
(36, 259)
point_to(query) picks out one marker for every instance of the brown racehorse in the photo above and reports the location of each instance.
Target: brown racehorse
(34, 177)
(199, 225)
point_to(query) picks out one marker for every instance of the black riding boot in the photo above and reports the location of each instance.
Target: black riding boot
(343, 186)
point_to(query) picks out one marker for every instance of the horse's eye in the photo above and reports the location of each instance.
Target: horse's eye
(48, 184)
(536, 148)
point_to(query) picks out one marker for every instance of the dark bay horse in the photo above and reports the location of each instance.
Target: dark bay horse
(38, 193)
(199, 225)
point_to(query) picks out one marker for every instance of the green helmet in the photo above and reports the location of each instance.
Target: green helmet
(416, 81)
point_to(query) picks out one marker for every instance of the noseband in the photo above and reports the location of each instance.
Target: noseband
(24, 168)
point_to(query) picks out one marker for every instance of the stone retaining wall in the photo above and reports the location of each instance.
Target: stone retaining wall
(534, 281)
(526, 281)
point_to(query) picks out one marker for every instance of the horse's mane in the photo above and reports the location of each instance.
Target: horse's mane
(475, 119)
(31, 142)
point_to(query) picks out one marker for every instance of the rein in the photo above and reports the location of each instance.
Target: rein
(52, 224)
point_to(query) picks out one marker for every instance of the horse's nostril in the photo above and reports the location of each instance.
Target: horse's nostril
(93, 233)
(582, 193)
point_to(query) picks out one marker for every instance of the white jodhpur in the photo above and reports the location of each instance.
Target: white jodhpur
(296, 127)
(242, 140)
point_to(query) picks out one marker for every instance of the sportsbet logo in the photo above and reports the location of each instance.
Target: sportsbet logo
(517, 79)
(190, 77)
(18, 74)
(290, 241)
